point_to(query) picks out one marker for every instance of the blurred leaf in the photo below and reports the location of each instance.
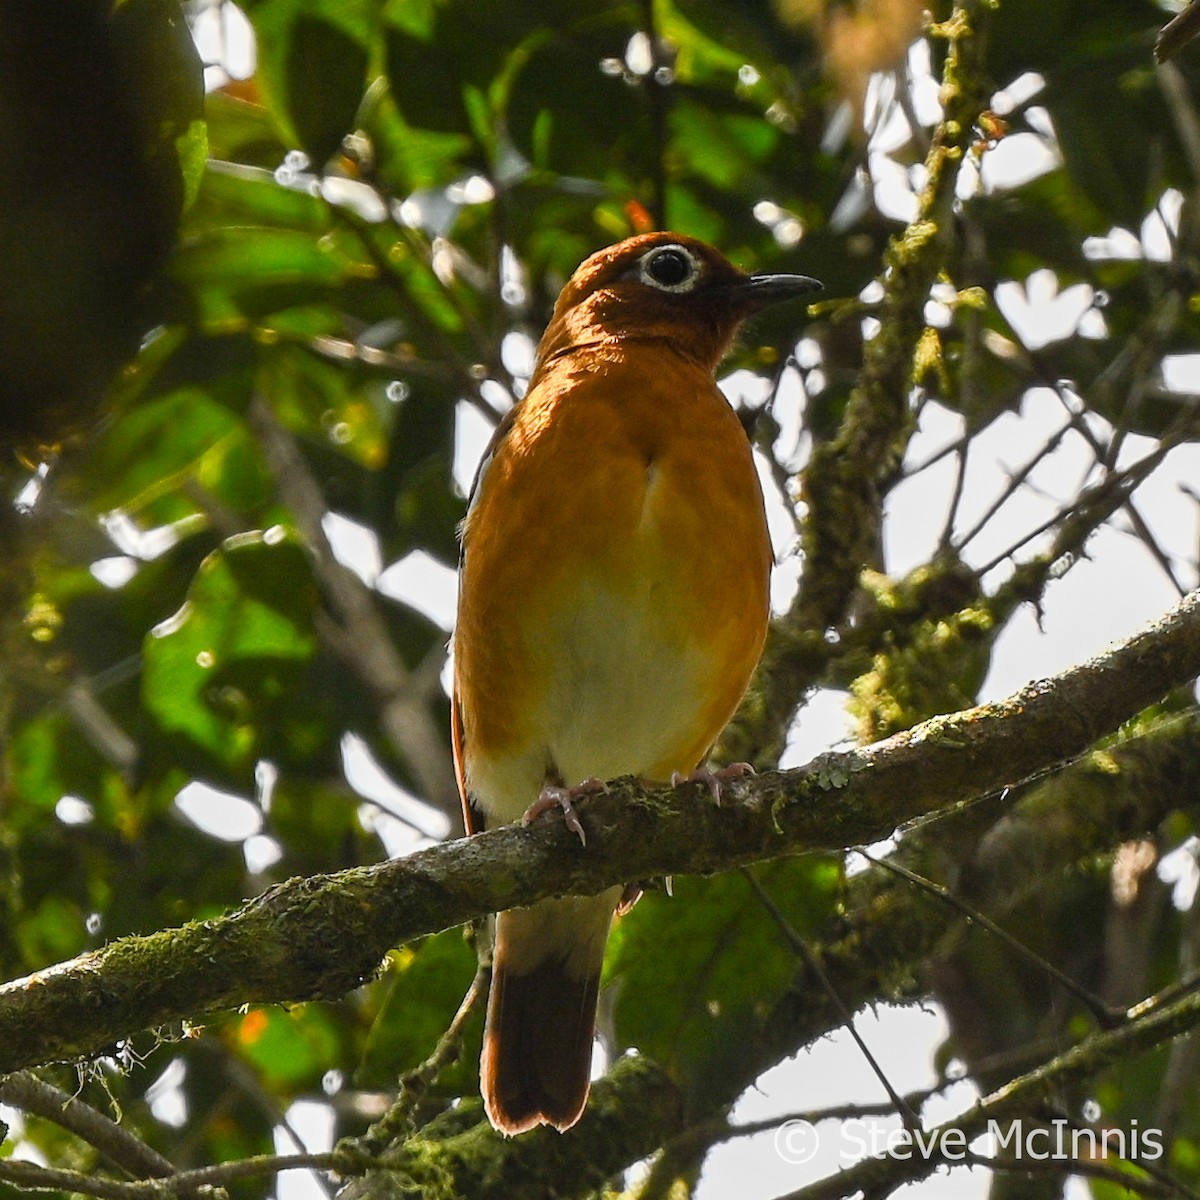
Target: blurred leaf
(722, 147)
(1041, 223)
(326, 78)
(565, 114)
(1112, 125)
(427, 981)
(313, 58)
(234, 256)
(289, 1048)
(1028, 35)
(158, 63)
(53, 932)
(697, 971)
(227, 664)
(50, 759)
(319, 828)
(157, 443)
(424, 81)
(324, 401)
(101, 138)
(719, 36)
(234, 193)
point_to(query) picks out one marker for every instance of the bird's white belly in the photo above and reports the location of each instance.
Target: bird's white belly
(623, 695)
(628, 691)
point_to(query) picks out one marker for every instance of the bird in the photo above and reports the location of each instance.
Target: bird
(613, 603)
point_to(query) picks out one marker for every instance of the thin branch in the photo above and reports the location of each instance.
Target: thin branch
(945, 538)
(1145, 535)
(1150, 1024)
(389, 275)
(834, 1112)
(632, 1111)
(1107, 1017)
(1095, 504)
(33, 1095)
(813, 963)
(848, 476)
(1141, 529)
(1126, 790)
(1154, 1186)
(32, 1177)
(1015, 480)
(398, 1120)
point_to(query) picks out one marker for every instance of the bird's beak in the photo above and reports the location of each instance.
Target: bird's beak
(757, 291)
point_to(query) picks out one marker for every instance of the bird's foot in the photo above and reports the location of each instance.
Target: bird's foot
(716, 780)
(554, 795)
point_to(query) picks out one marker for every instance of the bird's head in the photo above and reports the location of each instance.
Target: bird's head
(663, 286)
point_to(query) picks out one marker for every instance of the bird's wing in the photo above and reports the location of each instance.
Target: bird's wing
(473, 818)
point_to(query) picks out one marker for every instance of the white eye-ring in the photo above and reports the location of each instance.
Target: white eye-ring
(670, 268)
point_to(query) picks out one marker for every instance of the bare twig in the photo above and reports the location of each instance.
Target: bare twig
(32, 1177)
(848, 476)
(398, 1120)
(1150, 1023)
(1107, 1017)
(802, 948)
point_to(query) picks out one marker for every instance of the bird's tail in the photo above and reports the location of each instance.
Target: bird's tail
(541, 1019)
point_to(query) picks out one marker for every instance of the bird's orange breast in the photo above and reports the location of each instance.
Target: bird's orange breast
(616, 567)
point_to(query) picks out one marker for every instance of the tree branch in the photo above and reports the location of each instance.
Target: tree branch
(319, 937)
(631, 1112)
(871, 953)
(26, 1091)
(848, 477)
(1150, 1024)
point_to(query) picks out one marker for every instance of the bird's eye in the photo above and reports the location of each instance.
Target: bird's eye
(670, 269)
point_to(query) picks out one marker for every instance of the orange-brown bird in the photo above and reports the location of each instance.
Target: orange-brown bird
(612, 606)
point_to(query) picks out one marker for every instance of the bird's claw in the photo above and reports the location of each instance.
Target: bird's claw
(713, 780)
(554, 795)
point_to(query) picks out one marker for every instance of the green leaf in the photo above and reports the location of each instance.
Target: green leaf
(50, 758)
(313, 57)
(326, 78)
(165, 92)
(1031, 35)
(698, 971)
(425, 83)
(218, 672)
(318, 827)
(237, 193)
(160, 441)
(53, 932)
(1102, 108)
(426, 983)
(232, 256)
(566, 115)
(721, 147)
(289, 1048)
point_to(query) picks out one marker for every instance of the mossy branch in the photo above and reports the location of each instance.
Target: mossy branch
(848, 476)
(320, 937)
